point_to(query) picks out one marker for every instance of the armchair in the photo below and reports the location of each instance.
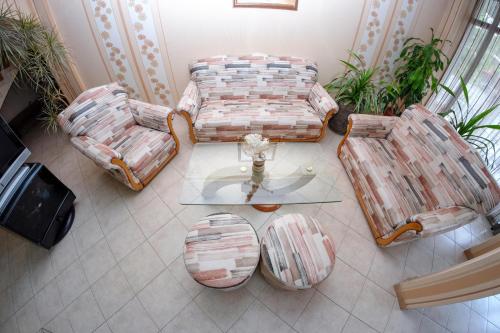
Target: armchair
(414, 176)
(278, 97)
(130, 139)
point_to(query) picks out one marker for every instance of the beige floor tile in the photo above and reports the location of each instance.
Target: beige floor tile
(458, 321)
(132, 318)
(154, 215)
(354, 325)
(97, 261)
(429, 326)
(180, 273)
(48, 302)
(87, 235)
(357, 252)
(285, 304)
(164, 298)
(125, 238)
(191, 320)
(224, 308)
(141, 266)
(84, 314)
(72, 282)
(403, 321)
(374, 306)
(477, 323)
(27, 318)
(386, 271)
(321, 315)
(112, 291)
(168, 242)
(258, 319)
(343, 286)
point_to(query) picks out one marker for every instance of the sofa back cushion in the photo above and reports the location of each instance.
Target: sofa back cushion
(101, 113)
(448, 170)
(254, 77)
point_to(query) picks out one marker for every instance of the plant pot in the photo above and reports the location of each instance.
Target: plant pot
(339, 122)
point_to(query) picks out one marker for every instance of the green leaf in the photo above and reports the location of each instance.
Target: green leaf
(464, 90)
(447, 89)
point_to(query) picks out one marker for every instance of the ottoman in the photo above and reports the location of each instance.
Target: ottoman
(221, 251)
(296, 253)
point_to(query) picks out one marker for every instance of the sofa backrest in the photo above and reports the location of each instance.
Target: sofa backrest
(253, 77)
(448, 169)
(101, 113)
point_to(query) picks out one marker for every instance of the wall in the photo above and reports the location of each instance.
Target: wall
(148, 44)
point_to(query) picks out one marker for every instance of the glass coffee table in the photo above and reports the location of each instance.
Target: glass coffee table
(294, 173)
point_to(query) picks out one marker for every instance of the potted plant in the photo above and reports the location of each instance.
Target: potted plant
(354, 91)
(415, 74)
(466, 122)
(34, 51)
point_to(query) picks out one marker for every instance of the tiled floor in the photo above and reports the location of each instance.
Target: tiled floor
(121, 270)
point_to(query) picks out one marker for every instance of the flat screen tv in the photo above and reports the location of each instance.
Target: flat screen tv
(13, 154)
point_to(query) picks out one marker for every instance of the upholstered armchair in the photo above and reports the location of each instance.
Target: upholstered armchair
(414, 176)
(278, 97)
(130, 139)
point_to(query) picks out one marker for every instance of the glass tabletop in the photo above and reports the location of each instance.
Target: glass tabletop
(221, 174)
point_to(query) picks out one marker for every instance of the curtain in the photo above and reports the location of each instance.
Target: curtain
(477, 61)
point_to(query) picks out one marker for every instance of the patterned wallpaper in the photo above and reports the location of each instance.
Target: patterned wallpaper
(386, 27)
(131, 38)
(108, 33)
(127, 27)
(140, 13)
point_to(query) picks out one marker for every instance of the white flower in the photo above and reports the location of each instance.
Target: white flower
(255, 144)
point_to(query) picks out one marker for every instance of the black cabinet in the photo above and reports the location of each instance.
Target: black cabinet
(38, 206)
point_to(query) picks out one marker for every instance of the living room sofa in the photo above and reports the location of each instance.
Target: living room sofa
(414, 176)
(278, 97)
(130, 139)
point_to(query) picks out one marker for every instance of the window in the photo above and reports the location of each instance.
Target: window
(477, 61)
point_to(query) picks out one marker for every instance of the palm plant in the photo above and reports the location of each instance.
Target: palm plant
(355, 87)
(466, 122)
(35, 52)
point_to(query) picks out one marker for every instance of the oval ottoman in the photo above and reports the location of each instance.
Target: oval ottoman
(296, 253)
(221, 251)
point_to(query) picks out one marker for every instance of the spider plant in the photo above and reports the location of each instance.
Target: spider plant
(35, 52)
(355, 87)
(466, 122)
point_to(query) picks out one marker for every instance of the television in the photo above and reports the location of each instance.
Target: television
(13, 154)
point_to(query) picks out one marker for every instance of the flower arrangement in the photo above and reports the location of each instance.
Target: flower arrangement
(255, 146)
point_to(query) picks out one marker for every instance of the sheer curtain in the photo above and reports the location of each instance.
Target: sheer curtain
(477, 60)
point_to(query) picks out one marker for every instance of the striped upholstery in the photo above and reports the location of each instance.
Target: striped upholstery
(103, 124)
(221, 251)
(410, 168)
(230, 120)
(297, 252)
(278, 97)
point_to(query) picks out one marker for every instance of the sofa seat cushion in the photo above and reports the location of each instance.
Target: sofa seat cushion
(390, 190)
(230, 120)
(144, 149)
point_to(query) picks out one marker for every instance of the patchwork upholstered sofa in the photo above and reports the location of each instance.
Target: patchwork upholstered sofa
(414, 175)
(132, 140)
(278, 97)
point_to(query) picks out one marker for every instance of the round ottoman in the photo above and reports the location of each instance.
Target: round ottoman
(221, 251)
(296, 253)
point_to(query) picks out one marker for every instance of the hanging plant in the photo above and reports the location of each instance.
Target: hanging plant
(35, 52)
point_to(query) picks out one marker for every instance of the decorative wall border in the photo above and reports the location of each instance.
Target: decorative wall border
(108, 34)
(141, 26)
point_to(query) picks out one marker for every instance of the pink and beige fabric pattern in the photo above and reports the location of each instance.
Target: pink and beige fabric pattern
(221, 251)
(106, 125)
(415, 168)
(296, 251)
(279, 97)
